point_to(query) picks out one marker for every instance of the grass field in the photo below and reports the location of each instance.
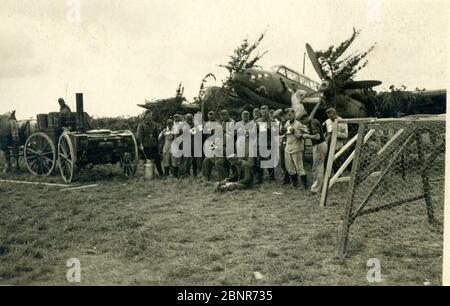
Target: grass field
(179, 232)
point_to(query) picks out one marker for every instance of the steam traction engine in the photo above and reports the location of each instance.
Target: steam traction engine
(65, 141)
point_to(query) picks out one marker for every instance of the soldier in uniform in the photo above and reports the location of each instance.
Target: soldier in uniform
(64, 109)
(192, 162)
(246, 138)
(178, 161)
(342, 134)
(256, 114)
(295, 147)
(208, 162)
(241, 176)
(170, 163)
(147, 138)
(271, 113)
(319, 150)
(264, 125)
(280, 116)
(222, 165)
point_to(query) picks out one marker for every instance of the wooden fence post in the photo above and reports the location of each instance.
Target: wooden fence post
(425, 180)
(351, 192)
(329, 169)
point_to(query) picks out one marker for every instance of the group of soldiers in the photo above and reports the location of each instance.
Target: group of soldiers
(243, 171)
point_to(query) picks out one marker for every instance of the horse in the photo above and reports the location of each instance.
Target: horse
(13, 135)
(9, 139)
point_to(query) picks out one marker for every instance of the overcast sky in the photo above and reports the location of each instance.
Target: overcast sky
(122, 52)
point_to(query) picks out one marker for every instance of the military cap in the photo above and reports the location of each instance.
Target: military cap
(303, 116)
(289, 110)
(232, 156)
(278, 113)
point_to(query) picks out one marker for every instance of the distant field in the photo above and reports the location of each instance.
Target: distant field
(179, 232)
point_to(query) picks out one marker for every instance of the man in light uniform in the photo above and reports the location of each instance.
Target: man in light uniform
(222, 164)
(209, 161)
(256, 114)
(342, 129)
(319, 150)
(246, 138)
(281, 117)
(295, 147)
(264, 127)
(170, 162)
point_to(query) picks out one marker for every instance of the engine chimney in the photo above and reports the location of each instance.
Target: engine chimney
(80, 113)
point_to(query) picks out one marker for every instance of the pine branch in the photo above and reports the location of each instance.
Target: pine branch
(338, 71)
(240, 59)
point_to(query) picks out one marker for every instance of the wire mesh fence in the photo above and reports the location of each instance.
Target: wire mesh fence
(394, 202)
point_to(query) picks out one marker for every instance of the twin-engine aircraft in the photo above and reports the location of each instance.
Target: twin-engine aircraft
(283, 87)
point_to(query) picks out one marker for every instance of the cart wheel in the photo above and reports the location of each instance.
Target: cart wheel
(129, 160)
(66, 157)
(40, 154)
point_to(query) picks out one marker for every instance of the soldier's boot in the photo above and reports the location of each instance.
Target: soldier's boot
(7, 164)
(294, 180)
(207, 168)
(206, 178)
(304, 181)
(198, 167)
(259, 175)
(222, 169)
(206, 174)
(160, 169)
(16, 165)
(166, 171)
(271, 174)
(175, 172)
(259, 179)
(286, 179)
(187, 171)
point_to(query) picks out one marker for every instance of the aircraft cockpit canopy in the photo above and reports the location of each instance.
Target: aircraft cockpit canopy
(296, 77)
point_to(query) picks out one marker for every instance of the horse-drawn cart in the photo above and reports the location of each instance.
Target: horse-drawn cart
(65, 141)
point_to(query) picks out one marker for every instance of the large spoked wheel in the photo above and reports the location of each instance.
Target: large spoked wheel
(66, 157)
(40, 154)
(130, 159)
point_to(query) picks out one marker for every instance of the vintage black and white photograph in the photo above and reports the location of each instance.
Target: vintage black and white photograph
(223, 143)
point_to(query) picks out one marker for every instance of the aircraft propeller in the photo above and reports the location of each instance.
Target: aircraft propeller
(348, 85)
